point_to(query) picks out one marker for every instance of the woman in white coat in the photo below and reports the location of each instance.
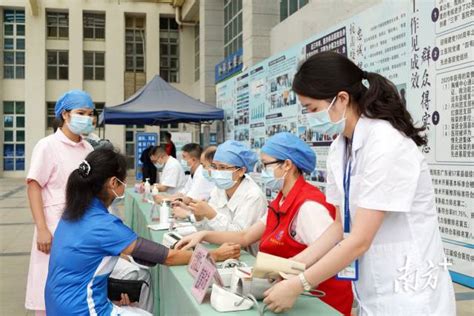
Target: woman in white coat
(381, 184)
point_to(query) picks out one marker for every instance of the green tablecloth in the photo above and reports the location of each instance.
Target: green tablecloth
(172, 285)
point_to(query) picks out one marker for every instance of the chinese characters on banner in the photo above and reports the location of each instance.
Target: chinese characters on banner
(426, 48)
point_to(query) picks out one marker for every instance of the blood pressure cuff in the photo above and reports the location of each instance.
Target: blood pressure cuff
(149, 253)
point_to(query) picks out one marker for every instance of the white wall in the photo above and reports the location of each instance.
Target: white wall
(259, 17)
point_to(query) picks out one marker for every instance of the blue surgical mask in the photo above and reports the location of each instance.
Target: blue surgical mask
(159, 165)
(206, 175)
(321, 121)
(272, 183)
(89, 129)
(223, 179)
(79, 124)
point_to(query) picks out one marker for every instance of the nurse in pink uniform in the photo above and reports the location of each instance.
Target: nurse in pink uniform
(54, 158)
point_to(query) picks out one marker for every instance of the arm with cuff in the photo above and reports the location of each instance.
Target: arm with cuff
(150, 253)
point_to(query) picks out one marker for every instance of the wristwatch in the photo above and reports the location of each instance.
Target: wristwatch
(306, 286)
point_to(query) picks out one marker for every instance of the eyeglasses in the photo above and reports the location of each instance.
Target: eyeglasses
(221, 167)
(263, 165)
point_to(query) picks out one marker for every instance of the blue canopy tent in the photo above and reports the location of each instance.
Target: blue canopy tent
(158, 102)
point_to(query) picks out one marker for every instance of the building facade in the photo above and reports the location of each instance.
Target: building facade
(111, 48)
(107, 48)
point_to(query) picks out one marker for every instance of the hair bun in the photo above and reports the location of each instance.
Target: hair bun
(84, 168)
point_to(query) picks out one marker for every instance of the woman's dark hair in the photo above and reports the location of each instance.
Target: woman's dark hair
(88, 180)
(322, 76)
(209, 153)
(58, 122)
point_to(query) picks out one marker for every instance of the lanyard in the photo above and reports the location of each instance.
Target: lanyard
(347, 185)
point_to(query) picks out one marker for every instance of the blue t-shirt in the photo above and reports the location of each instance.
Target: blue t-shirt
(83, 255)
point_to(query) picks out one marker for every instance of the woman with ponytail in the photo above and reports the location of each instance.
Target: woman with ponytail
(89, 240)
(380, 183)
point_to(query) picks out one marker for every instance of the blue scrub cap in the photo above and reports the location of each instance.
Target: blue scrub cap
(74, 99)
(284, 146)
(236, 154)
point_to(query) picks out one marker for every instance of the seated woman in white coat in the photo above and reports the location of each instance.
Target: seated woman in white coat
(237, 202)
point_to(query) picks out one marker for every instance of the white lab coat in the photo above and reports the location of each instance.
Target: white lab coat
(173, 176)
(246, 206)
(197, 187)
(390, 174)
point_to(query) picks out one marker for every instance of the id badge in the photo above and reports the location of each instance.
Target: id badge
(351, 272)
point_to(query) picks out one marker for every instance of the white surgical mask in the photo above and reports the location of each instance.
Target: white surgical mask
(223, 178)
(321, 121)
(80, 124)
(185, 165)
(270, 181)
(120, 197)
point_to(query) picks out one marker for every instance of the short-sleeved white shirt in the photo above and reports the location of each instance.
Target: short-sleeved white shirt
(173, 176)
(390, 174)
(197, 187)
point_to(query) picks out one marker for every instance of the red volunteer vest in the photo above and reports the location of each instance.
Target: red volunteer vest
(277, 239)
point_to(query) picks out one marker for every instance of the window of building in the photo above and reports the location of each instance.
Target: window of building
(13, 135)
(130, 131)
(50, 114)
(135, 44)
(99, 107)
(58, 65)
(57, 24)
(288, 7)
(232, 26)
(196, 52)
(169, 49)
(94, 25)
(94, 65)
(13, 44)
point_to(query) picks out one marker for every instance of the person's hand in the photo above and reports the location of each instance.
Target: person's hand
(44, 240)
(177, 203)
(190, 241)
(125, 300)
(187, 200)
(226, 251)
(202, 209)
(181, 212)
(282, 296)
(158, 198)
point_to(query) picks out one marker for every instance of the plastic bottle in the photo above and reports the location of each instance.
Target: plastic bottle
(164, 212)
(155, 191)
(147, 193)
